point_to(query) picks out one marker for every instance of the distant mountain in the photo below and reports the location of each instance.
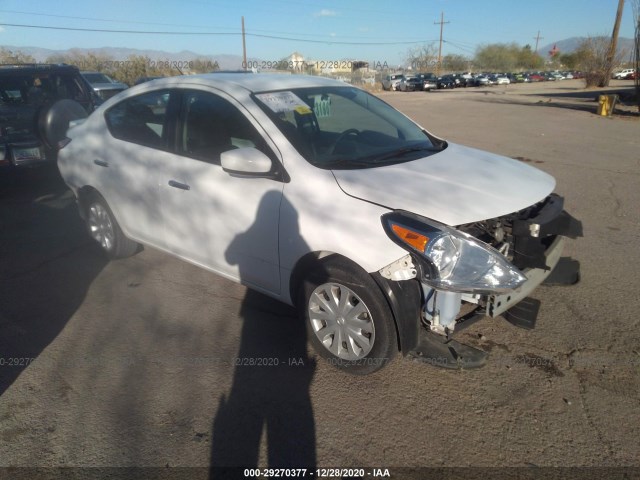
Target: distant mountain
(226, 62)
(569, 45)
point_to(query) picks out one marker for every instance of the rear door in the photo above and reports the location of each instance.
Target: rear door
(126, 166)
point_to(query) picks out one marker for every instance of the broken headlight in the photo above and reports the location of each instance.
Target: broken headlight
(450, 259)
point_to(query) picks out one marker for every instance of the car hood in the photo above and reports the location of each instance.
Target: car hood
(456, 186)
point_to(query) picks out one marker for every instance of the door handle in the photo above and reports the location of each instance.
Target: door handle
(101, 163)
(181, 186)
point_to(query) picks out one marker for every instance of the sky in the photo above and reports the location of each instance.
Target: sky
(322, 30)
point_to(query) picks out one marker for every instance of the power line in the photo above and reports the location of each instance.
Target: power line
(459, 47)
(256, 35)
(134, 22)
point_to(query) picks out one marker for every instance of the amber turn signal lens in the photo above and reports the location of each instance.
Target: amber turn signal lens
(414, 239)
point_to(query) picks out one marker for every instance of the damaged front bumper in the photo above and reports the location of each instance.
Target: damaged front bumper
(533, 239)
(498, 304)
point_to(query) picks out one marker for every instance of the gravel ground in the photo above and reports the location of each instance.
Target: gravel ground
(134, 362)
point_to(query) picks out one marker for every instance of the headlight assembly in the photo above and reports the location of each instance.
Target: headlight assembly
(450, 259)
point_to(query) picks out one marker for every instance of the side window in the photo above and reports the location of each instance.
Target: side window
(141, 119)
(211, 125)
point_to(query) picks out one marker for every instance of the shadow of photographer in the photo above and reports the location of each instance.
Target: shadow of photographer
(272, 378)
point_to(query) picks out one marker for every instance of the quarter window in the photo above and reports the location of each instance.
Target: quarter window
(141, 119)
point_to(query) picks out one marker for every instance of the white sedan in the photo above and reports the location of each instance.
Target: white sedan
(323, 196)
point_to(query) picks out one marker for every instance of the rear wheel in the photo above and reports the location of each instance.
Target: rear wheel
(104, 229)
(348, 320)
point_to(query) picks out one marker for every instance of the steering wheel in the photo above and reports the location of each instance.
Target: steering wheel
(342, 136)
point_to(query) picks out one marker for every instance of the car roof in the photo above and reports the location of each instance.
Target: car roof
(31, 68)
(257, 82)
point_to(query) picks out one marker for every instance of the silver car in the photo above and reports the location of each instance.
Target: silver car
(104, 86)
(391, 82)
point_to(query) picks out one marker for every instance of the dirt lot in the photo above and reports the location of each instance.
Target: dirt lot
(132, 363)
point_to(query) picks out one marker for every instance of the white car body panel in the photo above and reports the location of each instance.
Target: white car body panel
(456, 186)
(254, 230)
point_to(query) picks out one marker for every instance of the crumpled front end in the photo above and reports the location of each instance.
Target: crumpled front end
(532, 240)
(521, 250)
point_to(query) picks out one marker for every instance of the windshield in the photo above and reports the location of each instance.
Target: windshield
(345, 127)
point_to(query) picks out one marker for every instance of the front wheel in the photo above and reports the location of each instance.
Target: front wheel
(104, 229)
(348, 320)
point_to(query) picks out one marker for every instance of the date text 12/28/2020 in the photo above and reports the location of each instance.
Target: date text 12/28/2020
(317, 473)
(304, 65)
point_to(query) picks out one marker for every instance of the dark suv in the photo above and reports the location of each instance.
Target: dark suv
(33, 97)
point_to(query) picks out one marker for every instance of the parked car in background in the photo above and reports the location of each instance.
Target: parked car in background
(630, 76)
(103, 85)
(462, 80)
(502, 80)
(390, 82)
(445, 81)
(429, 82)
(493, 79)
(313, 193)
(418, 81)
(536, 77)
(412, 84)
(482, 80)
(622, 73)
(31, 95)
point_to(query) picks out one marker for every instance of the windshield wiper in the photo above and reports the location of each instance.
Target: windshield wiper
(344, 162)
(374, 160)
(400, 152)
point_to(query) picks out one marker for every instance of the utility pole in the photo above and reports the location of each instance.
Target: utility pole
(244, 48)
(441, 22)
(613, 46)
(537, 38)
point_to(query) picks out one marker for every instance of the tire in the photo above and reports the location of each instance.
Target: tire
(367, 330)
(104, 229)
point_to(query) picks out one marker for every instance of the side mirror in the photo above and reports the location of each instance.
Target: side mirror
(246, 162)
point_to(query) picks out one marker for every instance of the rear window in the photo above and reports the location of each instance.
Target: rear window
(39, 88)
(140, 119)
(97, 78)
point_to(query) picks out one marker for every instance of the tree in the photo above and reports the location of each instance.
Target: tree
(497, 57)
(505, 57)
(594, 53)
(527, 59)
(8, 57)
(570, 60)
(134, 67)
(203, 65)
(455, 63)
(85, 61)
(423, 57)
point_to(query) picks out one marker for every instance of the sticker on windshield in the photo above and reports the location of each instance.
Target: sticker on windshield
(303, 110)
(283, 102)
